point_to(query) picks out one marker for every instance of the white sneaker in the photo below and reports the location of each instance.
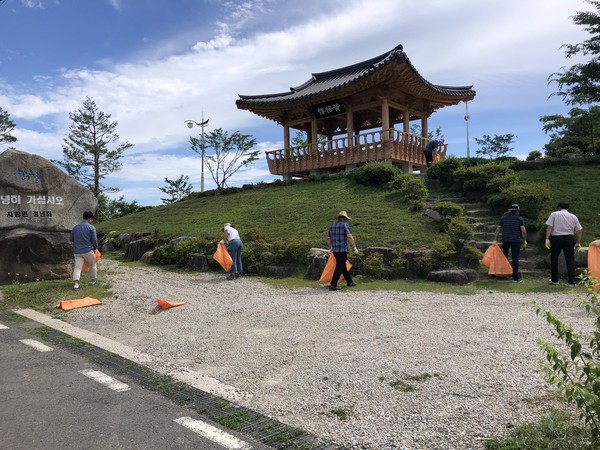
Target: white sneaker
(552, 282)
(572, 285)
(76, 287)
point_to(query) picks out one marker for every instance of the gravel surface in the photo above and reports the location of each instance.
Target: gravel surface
(363, 370)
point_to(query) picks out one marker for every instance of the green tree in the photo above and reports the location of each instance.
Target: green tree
(577, 130)
(416, 130)
(495, 147)
(6, 126)
(91, 151)
(176, 189)
(231, 153)
(580, 83)
(113, 208)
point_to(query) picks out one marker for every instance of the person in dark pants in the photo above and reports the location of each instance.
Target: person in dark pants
(339, 236)
(430, 147)
(561, 225)
(85, 241)
(513, 230)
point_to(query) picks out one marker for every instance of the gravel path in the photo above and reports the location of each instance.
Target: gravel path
(364, 370)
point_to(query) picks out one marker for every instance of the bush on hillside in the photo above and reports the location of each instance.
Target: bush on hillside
(372, 266)
(254, 234)
(476, 178)
(186, 248)
(442, 255)
(444, 170)
(533, 198)
(410, 186)
(533, 155)
(459, 231)
(448, 210)
(291, 251)
(373, 174)
(163, 256)
(470, 256)
(501, 182)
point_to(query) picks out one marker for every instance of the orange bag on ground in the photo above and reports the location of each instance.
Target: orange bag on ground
(166, 305)
(78, 303)
(327, 274)
(497, 264)
(223, 257)
(594, 263)
(86, 266)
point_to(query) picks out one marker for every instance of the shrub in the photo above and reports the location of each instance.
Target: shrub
(292, 251)
(444, 170)
(499, 183)
(254, 234)
(416, 205)
(374, 174)
(410, 186)
(576, 372)
(533, 198)
(256, 254)
(163, 256)
(441, 256)
(185, 249)
(476, 178)
(448, 209)
(471, 256)
(459, 230)
(372, 265)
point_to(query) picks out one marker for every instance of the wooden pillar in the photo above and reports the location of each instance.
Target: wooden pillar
(350, 125)
(424, 129)
(385, 118)
(286, 136)
(314, 135)
(406, 120)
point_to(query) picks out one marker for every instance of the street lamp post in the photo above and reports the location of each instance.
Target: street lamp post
(467, 117)
(202, 124)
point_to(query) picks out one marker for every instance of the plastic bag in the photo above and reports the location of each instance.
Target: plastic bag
(327, 274)
(497, 264)
(223, 257)
(78, 303)
(164, 304)
(594, 263)
(86, 266)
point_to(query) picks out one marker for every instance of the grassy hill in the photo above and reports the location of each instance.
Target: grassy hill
(305, 210)
(302, 210)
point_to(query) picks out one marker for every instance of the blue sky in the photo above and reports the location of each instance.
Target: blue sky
(152, 64)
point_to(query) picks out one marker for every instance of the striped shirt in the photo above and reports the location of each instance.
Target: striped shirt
(563, 223)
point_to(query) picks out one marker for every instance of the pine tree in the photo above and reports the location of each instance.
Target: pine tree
(91, 150)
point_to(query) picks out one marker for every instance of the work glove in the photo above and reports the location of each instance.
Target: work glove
(577, 247)
(524, 244)
(222, 241)
(494, 242)
(548, 244)
(355, 251)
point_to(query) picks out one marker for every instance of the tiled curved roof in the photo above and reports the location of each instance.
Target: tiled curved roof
(328, 82)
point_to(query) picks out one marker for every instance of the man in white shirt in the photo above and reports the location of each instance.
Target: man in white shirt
(561, 225)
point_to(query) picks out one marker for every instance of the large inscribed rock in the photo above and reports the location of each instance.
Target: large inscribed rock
(39, 205)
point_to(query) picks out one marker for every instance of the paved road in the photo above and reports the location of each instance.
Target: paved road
(53, 399)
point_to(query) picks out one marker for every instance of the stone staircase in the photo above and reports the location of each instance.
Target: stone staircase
(484, 221)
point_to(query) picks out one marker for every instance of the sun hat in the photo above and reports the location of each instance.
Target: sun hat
(441, 140)
(227, 225)
(514, 207)
(344, 214)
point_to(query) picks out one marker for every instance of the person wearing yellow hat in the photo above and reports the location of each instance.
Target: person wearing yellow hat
(338, 237)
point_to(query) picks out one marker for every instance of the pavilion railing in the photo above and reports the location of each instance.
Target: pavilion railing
(382, 145)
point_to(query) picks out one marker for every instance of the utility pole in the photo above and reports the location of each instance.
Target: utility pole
(202, 124)
(467, 117)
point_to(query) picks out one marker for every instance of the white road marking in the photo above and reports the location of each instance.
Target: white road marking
(185, 375)
(3, 327)
(106, 380)
(213, 433)
(37, 345)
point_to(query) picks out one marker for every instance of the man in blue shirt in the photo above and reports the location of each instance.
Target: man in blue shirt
(85, 242)
(513, 230)
(339, 236)
(430, 148)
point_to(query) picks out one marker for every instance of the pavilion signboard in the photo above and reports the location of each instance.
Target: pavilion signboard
(329, 109)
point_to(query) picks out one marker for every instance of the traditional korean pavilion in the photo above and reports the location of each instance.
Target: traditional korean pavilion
(355, 115)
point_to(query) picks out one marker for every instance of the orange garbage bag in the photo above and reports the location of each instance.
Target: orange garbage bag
(327, 274)
(497, 264)
(594, 263)
(86, 266)
(78, 303)
(166, 305)
(223, 258)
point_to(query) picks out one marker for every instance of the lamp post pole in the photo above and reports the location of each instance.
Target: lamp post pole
(467, 117)
(202, 124)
